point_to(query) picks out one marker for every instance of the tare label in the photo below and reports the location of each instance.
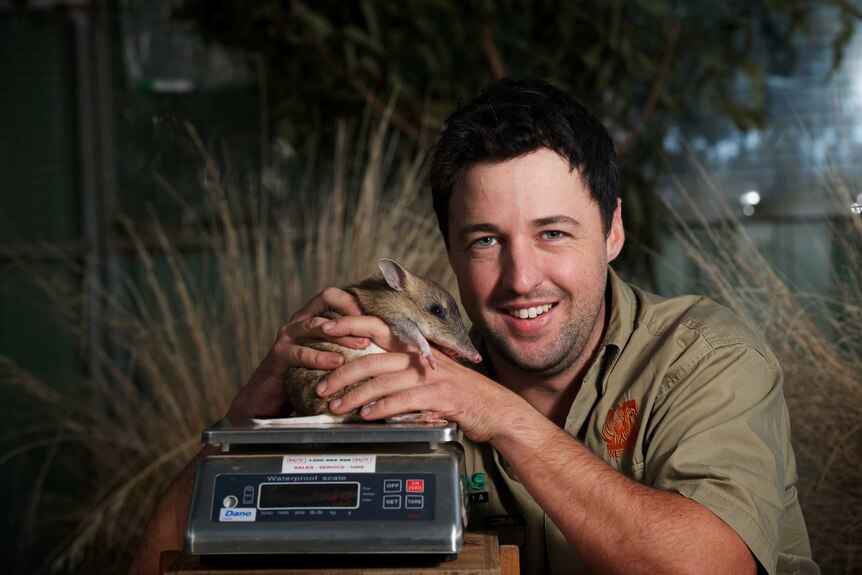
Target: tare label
(328, 463)
(237, 514)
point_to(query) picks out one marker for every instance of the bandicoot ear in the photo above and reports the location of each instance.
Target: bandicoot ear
(394, 274)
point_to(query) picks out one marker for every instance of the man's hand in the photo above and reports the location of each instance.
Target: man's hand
(403, 383)
(264, 395)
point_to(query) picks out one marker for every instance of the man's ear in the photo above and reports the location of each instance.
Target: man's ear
(616, 235)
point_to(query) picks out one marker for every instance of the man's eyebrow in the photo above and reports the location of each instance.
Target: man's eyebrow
(555, 220)
(473, 228)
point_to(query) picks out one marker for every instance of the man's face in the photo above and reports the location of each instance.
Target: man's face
(530, 255)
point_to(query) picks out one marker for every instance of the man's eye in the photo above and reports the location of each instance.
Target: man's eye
(485, 242)
(553, 234)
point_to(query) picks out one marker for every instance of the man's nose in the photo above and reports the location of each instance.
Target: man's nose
(522, 272)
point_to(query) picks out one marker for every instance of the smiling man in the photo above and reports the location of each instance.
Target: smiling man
(617, 431)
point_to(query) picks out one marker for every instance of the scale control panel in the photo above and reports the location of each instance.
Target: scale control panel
(332, 497)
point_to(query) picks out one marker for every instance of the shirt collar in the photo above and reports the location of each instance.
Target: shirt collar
(623, 312)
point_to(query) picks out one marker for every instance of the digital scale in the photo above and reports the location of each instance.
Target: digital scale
(328, 489)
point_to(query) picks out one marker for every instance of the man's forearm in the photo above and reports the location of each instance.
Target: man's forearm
(167, 524)
(615, 523)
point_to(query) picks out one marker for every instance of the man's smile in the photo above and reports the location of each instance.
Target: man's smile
(530, 312)
(528, 320)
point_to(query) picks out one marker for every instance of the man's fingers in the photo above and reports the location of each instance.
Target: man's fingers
(311, 330)
(363, 326)
(310, 358)
(370, 366)
(330, 299)
(407, 400)
(299, 330)
(391, 388)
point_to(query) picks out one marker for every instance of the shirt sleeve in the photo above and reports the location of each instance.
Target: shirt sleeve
(719, 434)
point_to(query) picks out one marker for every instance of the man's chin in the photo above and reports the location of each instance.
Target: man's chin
(544, 362)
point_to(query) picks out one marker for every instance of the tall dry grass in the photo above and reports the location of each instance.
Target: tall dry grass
(817, 337)
(184, 340)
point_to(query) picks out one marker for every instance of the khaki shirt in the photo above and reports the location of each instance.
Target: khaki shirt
(682, 396)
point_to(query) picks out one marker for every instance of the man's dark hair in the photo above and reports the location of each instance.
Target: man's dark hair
(513, 117)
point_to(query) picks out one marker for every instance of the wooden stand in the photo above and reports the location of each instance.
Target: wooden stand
(481, 555)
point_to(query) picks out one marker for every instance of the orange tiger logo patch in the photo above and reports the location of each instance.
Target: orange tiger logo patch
(621, 428)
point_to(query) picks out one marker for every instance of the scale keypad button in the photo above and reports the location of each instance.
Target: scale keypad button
(415, 485)
(414, 502)
(230, 501)
(391, 485)
(391, 502)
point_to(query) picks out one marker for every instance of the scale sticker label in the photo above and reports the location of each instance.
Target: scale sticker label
(237, 514)
(328, 463)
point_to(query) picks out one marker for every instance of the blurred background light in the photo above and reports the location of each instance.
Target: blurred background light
(750, 198)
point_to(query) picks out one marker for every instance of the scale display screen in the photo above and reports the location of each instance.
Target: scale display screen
(309, 496)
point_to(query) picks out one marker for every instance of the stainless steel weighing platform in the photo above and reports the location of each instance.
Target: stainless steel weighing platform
(328, 489)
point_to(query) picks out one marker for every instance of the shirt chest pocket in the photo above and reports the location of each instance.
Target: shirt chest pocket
(614, 432)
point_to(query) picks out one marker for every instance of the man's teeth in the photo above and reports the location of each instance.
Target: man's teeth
(530, 312)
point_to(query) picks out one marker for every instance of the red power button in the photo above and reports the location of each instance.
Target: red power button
(415, 485)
